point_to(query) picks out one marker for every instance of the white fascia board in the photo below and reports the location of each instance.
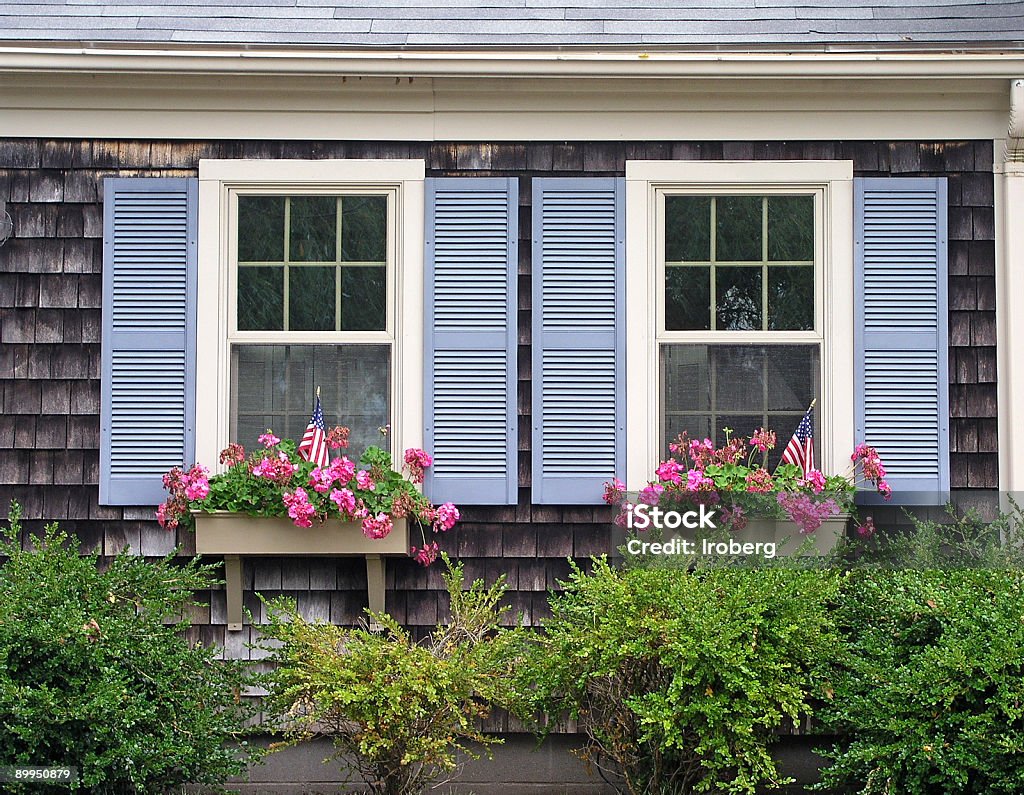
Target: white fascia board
(520, 63)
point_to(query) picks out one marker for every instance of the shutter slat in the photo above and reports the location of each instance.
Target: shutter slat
(470, 384)
(578, 338)
(902, 404)
(148, 372)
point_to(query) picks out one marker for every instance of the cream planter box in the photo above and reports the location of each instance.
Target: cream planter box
(237, 535)
(788, 538)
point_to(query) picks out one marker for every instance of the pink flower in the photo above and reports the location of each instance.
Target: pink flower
(815, 480)
(668, 472)
(885, 489)
(867, 529)
(165, 517)
(299, 508)
(652, 493)
(416, 457)
(337, 437)
(321, 480)
(614, 492)
(804, 512)
(760, 481)
(701, 452)
(365, 481)
(426, 554)
(763, 440)
(447, 516)
(268, 439)
(342, 470)
(696, 480)
(232, 454)
(345, 500)
(378, 526)
(734, 518)
(197, 485)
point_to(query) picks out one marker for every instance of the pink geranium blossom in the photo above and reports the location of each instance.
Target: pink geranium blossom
(815, 480)
(378, 526)
(417, 461)
(669, 471)
(614, 492)
(696, 480)
(365, 480)
(299, 508)
(651, 493)
(345, 500)
(447, 516)
(760, 481)
(268, 439)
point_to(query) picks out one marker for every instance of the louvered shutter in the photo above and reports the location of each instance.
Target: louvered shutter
(148, 357)
(470, 369)
(578, 338)
(901, 400)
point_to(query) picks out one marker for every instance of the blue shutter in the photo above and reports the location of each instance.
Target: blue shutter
(578, 338)
(902, 393)
(470, 368)
(148, 358)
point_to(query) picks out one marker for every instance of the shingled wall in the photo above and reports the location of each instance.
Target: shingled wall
(50, 290)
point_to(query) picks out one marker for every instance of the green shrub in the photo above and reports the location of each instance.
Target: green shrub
(930, 689)
(679, 679)
(398, 711)
(91, 676)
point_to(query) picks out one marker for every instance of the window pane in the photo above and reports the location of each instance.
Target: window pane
(688, 228)
(738, 372)
(687, 297)
(261, 298)
(364, 228)
(363, 298)
(274, 386)
(686, 377)
(738, 233)
(738, 298)
(313, 229)
(261, 228)
(791, 298)
(705, 388)
(791, 228)
(792, 378)
(311, 298)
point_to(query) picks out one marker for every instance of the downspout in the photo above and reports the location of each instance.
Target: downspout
(1015, 134)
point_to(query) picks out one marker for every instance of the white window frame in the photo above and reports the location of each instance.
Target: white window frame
(220, 184)
(647, 183)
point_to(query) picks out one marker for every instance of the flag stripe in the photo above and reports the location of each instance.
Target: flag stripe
(313, 446)
(800, 450)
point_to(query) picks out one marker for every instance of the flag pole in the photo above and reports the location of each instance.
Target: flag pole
(318, 394)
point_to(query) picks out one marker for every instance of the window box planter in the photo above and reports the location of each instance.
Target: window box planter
(236, 536)
(788, 538)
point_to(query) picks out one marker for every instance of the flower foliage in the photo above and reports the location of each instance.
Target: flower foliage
(274, 480)
(736, 479)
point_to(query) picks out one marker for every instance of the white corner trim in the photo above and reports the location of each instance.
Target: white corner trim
(217, 180)
(1009, 202)
(834, 180)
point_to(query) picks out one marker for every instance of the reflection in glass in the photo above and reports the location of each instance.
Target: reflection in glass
(739, 228)
(311, 298)
(313, 228)
(261, 298)
(687, 228)
(687, 297)
(738, 293)
(261, 228)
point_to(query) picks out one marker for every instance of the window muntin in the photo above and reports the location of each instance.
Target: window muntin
(312, 279)
(270, 385)
(739, 333)
(741, 387)
(739, 262)
(312, 262)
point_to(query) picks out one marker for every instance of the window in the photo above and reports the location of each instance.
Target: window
(310, 276)
(739, 285)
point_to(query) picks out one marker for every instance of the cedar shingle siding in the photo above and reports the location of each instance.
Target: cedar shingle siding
(50, 277)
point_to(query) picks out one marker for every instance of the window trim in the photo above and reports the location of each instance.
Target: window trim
(647, 181)
(219, 183)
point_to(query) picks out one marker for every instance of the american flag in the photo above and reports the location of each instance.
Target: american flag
(800, 450)
(313, 446)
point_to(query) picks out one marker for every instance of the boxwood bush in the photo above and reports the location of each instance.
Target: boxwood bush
(95, 672)
(929, 691)
(678, 678)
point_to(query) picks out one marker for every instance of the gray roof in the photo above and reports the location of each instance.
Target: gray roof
(501, 23)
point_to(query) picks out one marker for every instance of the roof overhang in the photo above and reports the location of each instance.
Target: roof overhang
(793, 63)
